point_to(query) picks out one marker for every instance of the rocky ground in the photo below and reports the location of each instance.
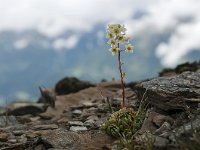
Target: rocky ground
(68, 117)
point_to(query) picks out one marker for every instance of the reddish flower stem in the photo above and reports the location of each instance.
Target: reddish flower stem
(121, 75)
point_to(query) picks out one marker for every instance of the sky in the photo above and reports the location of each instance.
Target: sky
(53, 17)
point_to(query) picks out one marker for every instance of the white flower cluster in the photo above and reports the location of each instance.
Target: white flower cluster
(116, 34)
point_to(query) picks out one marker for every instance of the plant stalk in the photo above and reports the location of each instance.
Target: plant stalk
(121, 75)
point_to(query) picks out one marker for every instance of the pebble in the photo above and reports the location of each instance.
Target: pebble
(46, 127)
(46, 116)
(18, 132)
(75, 123)
(3, 137)
(31, 135)
(12, 141)
(63, 120)
(93, 109)
(78, 128)
(94, 117)
(79, 106)
(89, 123)
(88, 104)
(77, 112)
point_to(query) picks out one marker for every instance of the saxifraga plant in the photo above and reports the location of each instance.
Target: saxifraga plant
(124, 123)
(116, 35)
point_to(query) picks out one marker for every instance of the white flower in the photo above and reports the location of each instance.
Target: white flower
(112, 42)
(115, 29)
(120, 37)
(129, 48)
(114, 50)
(124, 75)
(116, 34)
(125, 40)
(122, 28)
(111, 26)
(109, 35)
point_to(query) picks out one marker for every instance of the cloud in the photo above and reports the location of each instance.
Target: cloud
(69, 43)
(21, 95)
(21, 44)
(53, 18)
(162, 15)
(180, 16)
(185, 39)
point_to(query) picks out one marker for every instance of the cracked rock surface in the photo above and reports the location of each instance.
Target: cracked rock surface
(174, 92)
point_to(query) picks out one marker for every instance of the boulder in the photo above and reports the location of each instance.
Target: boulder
(194, 66)
(71, 85)
(172, 93)
(23, 108)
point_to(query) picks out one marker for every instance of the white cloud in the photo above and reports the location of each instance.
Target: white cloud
(21, 44)
(21, 95)
(185, 39)
(180, 16)
(52, 18)
(163, 14)
(61, 43)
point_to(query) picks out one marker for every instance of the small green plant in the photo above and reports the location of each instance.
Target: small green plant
(124, 123)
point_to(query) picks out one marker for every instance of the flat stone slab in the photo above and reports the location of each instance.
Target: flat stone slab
(23, 108)
(169, 93)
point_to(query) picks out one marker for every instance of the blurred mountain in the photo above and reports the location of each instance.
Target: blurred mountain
(29, 60)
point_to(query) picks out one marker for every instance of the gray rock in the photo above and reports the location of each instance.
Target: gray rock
(46, 127)
(194, 66)
(13, 141)
(187, 128)
(8, 121)
(69, 140)
(156, 141)
(92, 121)
(3, 137)
(164, 128)
(78, 128)
(160, 119)
(71, 85)
(75, 123)
(148, 125)
(22, 108)
(89, 123)
(169, 93)
(93, 117)
(18, 132)
(46, 116)
(77, 112)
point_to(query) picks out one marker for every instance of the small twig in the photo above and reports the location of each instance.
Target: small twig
(6, 112)
(109, 104)
(144, 94)
(106, 100)
(101, 93)
(143, 100)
